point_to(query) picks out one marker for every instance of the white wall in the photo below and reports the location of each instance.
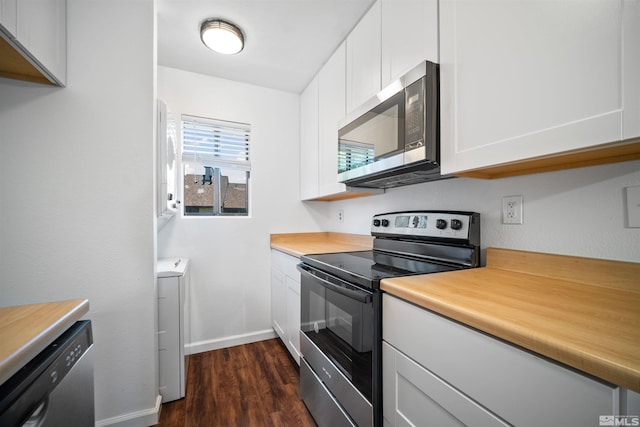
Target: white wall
(230, 256)
(578, 212)
(76, 178)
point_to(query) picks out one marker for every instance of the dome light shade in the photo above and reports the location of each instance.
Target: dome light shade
(221, 36)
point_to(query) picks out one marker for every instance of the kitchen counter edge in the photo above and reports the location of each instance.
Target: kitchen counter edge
(26, 330)
(528, 302)
(298, 244)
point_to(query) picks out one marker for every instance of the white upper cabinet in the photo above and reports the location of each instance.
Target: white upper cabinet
(525, 79)
(8, 18)
(363, 58)
(631, 70)
(36, 35)
(309, 160)
(331, 101)
(167, 173)
(409, 36)
(391, 38)
(322, 105)
(42, 32)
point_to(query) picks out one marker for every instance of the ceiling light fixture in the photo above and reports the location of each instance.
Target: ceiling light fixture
(221, 36)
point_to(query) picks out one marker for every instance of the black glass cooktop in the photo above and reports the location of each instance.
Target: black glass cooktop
(368, 268)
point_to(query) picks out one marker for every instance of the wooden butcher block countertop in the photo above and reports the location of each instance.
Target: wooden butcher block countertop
(582, 312)
(298, 244)
(26, 330)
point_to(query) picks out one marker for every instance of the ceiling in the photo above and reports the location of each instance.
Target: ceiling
(286, 41)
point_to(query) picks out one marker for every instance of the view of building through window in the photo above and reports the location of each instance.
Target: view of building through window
(215, 156)
(207, 194)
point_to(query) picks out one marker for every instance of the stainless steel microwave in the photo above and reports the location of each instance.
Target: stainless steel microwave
(394, 138)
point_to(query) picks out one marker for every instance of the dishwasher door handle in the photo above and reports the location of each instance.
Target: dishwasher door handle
(37, 417)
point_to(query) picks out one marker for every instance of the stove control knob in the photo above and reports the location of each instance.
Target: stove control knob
(441, 224)
(456, 224)
(376, 223)
(385, 222)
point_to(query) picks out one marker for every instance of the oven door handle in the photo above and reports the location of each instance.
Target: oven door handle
(358, 295)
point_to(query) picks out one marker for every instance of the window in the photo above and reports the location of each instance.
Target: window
(215, 159)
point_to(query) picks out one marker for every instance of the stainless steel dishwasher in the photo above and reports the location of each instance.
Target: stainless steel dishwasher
(56, 387)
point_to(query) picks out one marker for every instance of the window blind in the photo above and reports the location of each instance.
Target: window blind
(352, 155)
(215, 143)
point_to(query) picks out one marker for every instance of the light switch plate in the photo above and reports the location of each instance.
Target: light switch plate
(633, 207)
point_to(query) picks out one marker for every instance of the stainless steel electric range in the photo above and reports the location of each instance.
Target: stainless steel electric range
(341, 307)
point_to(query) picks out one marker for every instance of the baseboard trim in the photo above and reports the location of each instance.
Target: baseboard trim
(218, 343)
(145, 417)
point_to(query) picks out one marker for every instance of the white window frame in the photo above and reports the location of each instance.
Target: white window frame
(225, 145)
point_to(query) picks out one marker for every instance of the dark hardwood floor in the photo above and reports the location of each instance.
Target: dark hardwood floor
(248, 385)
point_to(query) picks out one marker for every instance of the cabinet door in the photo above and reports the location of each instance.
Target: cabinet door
(285, 300)
(8, 17)
(414, 396)
(331, 109)
(293, 317)
(409, 36)
(309, 178)
(524, 79)
(41, 30)
(520, 387)
(630, 402)
(167, 174)
(631, 72)
(363, 58)
(170, 344)
(278, 302)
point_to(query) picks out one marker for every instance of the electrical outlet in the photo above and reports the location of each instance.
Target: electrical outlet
(512, 207)
(340, 215)
(633, 206)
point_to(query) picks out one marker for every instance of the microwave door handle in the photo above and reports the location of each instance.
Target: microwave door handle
(359, 296)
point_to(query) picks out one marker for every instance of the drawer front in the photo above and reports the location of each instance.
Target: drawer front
(522, 388)
(414, 396)
(354, 403)
(322, 405)
(285, 263)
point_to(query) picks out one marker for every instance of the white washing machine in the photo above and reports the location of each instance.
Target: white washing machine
(173, 326)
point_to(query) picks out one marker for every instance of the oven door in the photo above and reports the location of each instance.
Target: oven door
(336, 340)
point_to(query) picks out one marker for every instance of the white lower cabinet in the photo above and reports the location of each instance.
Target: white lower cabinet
(278, 302)
(293, 316)
(630, 403)
(285, 300)
(173, 327)
(439, 372)
(413, 395)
